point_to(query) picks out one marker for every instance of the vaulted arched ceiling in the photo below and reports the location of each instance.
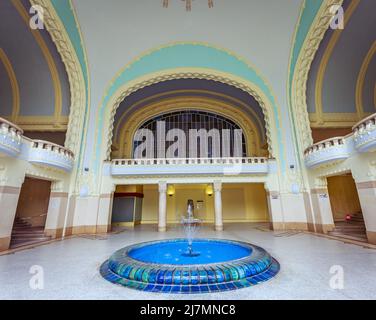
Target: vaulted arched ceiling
(341, 84)
(34, 88)
(173, 91)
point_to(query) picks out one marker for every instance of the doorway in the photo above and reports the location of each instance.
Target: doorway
(346, 209)
(31, 214)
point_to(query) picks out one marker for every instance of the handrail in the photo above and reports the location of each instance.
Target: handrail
(324, 143)
(177, 161)
(361, 122)
(61, 149)
(10, 124)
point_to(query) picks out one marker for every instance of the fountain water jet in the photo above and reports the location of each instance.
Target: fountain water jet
(191, 226)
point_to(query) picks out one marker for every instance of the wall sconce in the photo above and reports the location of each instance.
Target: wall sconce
(170, 190)
(209, 190)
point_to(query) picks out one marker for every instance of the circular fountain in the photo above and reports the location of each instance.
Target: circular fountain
(190, 265)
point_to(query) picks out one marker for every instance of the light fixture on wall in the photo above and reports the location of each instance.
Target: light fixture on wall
(170, 190)
(188, 4)
(209, 190)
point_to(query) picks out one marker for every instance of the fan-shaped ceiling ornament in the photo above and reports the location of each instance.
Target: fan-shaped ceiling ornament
(188, 4)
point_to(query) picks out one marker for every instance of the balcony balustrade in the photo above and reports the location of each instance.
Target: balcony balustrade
(327, 151)
(51, 155)
(365, 134)
(10, 138)
(189, 166)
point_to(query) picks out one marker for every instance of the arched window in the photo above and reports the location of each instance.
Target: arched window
(189, 134)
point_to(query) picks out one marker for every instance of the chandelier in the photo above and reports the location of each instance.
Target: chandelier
(188, 4)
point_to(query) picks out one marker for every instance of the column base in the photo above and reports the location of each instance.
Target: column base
(218, 228)
(324, 228)
(4, 243)
(162, 229)
(54, 233)
(371, 235)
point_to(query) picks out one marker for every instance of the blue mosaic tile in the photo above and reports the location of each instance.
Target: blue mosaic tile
(160, 277)
(168, 277)
(194, 277)
(177, 277)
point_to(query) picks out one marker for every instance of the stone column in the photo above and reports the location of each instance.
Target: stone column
(322, 211)
(8, 206)
(162, 187)
(367, 198)
(275, 210)
(218, 205)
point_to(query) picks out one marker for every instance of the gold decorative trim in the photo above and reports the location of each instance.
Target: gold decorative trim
(188, 103)
(300, 77)
(43, 123)
(362, 74)
(324, 63)
(192, 73)
(189, 93)
(47, 55)
(335, 120)
(13, 83)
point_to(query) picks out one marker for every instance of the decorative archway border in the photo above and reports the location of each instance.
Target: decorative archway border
(136, 118)
(188, 93)
(298, 97)
(143, 71)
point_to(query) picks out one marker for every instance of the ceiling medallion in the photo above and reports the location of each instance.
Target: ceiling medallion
(188, 4)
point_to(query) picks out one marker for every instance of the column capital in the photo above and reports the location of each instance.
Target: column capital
(162, 186)
(217, 185)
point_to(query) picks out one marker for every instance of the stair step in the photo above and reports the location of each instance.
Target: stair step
(27, 236)
(362, 238)
(350, 228)
(14, 245)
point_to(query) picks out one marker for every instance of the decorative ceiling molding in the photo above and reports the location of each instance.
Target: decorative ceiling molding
(189, 93)
(13, 83)
(300, 76)
(324, 63)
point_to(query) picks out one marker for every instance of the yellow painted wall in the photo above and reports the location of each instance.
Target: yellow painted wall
(241, 202)
(343, 196)
(150, 204)
(244, 202)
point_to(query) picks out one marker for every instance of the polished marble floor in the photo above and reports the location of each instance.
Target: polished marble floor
(70, 267)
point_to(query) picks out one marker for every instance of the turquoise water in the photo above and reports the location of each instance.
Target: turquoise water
(172, 252)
